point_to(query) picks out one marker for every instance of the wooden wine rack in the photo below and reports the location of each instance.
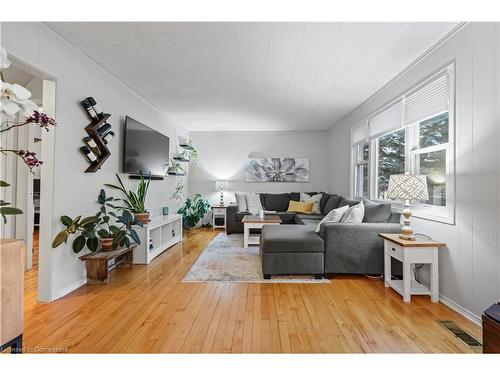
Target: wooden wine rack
(91, 130)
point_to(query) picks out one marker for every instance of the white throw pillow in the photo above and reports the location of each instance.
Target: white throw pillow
(354, 214)
(253, 203)
(241, 201)
(334, 216)
(315, 199)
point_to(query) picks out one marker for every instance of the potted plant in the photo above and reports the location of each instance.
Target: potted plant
(99, 228)
(134, 201)
(193, 211)
(175, 168)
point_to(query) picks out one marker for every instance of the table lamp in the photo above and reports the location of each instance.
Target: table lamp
(221, 185)
(408, 187)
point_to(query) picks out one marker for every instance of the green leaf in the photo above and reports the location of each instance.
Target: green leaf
(60, 238)
(78, 244)
(103, 233)
(89, 233)
(4, 184)
(114, 229)
(10, 211)
(66, 220)
(105, 219)
(126, 242)
(92, 244)
(88, 221)
(2, 203)
(135, 236)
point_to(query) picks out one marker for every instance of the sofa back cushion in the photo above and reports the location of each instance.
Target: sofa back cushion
(376, 212)
(277, 202)
(295, 196)
(263, 200)
(241, 200)
(332, 203)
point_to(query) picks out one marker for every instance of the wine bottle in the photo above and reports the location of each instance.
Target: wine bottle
(103, 129)
(88, 107)
(89, 155)
(92, 145)
(108, 136)
(97, 107)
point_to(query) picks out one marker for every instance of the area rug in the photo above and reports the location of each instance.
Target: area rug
(225, 259)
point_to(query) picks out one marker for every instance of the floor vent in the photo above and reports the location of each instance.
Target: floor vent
(460, 334)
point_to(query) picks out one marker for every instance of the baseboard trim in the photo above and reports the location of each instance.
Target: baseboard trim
(72, 287)
(460, 309)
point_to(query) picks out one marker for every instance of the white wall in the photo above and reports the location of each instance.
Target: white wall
(223, 156)
(77, 77)
(470, 266)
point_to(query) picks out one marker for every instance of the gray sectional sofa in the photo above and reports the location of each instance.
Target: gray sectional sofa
(339, 248)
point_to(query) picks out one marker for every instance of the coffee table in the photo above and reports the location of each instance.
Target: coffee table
(255, 222)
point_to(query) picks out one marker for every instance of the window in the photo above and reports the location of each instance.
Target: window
(413, 134)
(390, 159)
(361, 157)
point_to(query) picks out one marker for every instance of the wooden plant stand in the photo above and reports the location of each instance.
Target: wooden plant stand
(98, 263)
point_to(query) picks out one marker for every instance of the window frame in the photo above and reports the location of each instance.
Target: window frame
(359, 162)
(444, 214)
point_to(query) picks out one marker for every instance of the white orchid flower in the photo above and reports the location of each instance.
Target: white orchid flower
(4, 61)
(15, 98)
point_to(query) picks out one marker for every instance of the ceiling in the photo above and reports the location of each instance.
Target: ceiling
(254, 76)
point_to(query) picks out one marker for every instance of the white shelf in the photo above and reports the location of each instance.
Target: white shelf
(415, 287)
(164, 231)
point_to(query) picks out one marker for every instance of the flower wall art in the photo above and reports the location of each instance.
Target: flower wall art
(277, 170)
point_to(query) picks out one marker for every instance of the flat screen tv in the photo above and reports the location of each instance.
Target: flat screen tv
(145, 151)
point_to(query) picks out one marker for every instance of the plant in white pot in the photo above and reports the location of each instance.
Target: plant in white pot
(135, 202)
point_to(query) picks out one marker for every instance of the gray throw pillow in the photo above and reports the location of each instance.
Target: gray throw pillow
(277, 202)
(376, 212)
(349, 201)
(332, 203)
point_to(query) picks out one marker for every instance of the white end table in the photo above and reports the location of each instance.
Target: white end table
(218, 212)
(411, 252)
(255, 222)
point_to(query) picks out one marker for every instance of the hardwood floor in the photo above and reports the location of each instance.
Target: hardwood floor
(148, 309)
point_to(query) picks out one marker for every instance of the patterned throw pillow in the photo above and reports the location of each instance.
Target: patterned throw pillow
(334, 216)
(316, 199)
(354, 214)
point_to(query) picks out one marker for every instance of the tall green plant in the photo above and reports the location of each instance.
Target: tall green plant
(135, 202)
(193, 211)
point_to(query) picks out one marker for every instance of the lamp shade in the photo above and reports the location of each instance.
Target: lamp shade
(407, 186)
(221, 185)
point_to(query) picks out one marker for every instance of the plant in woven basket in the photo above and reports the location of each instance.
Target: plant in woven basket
(193, 211)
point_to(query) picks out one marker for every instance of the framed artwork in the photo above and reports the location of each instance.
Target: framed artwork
(277, 170)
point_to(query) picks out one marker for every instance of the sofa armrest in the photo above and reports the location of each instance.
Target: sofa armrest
(355, 248)
(231, 224)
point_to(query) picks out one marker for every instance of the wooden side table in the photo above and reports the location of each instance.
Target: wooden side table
(218, 212)
(255, 222)
(411, 252)
(98, 263)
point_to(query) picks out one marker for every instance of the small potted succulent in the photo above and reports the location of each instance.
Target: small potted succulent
(134, 201)
(99, 228)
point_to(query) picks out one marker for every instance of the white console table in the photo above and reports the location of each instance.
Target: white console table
(163, 231)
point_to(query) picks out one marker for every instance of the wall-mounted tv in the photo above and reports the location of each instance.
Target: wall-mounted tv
(145, 150)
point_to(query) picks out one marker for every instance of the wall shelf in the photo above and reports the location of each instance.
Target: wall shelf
(91, 130)
(181, 159)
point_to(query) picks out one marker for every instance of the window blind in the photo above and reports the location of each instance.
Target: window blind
(360, 133)
(386, 120)
(429, 100)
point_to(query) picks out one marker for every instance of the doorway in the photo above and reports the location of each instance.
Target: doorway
(27, 188)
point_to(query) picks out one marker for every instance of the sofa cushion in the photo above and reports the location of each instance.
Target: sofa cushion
(263, 200)
(286, 217)
(310, 216)
(295, 196)
(349, 202)
(277, 202)
(290, 239)
(376, 212)
(332, 203)
(316, 199)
